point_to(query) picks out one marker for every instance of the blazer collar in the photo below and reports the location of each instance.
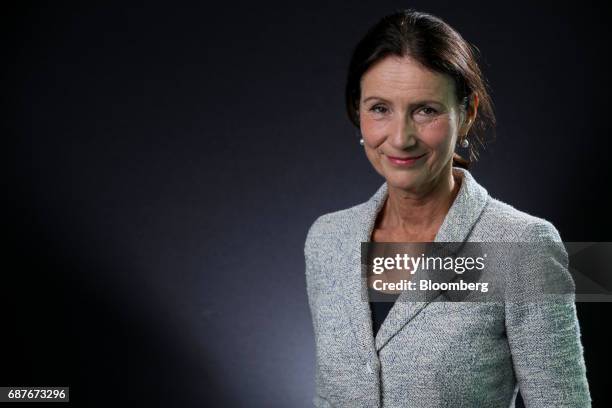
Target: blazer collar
(463, 214)
(459, 221)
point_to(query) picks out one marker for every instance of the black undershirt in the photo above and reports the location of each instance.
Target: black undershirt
(380, 309)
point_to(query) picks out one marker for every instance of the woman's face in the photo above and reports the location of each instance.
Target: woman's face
(409, 112)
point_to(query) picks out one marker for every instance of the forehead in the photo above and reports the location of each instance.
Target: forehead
(403, 78)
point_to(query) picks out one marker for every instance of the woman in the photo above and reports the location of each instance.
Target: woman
(416, 93)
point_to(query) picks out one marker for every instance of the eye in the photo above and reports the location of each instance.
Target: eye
(378, 109)
(428, 111)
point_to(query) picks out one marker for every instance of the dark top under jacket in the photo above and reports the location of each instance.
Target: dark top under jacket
(380, 309)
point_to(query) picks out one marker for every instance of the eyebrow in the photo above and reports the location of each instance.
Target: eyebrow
(414, 103)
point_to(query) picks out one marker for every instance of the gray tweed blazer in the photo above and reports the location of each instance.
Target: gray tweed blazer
(440, 354)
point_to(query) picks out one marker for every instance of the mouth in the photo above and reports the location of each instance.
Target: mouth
(405, 160)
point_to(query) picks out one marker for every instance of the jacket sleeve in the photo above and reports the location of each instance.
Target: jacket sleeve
(543, 330)
(311, 248)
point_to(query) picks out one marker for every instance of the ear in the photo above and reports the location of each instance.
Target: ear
(470, 115)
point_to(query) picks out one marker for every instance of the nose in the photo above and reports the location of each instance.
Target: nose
(403, 134)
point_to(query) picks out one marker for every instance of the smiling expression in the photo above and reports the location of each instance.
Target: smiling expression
(410, 119)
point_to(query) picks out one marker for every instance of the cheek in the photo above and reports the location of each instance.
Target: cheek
(373, 131)
(438, 134)
(373, 155)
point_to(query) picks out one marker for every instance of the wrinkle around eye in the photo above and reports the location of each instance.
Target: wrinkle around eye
(375, 109)
(434, 111)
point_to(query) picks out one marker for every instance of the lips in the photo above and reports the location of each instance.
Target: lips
(405, 161)
(406, 158)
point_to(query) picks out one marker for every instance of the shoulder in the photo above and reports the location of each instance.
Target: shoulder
(536, 252)
(502, 221)
(330, 226)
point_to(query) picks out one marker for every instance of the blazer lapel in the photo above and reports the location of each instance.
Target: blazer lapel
(462, 216)
(458, 223)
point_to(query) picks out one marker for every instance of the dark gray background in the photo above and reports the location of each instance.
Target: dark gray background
(165, 161)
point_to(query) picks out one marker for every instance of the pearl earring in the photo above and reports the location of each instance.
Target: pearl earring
(465, 143)
(361, 142)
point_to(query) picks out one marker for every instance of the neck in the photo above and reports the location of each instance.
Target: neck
(423, 210)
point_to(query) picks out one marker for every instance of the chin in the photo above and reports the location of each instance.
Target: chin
(403, 181)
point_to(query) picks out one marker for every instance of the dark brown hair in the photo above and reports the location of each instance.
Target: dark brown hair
(437, 46)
